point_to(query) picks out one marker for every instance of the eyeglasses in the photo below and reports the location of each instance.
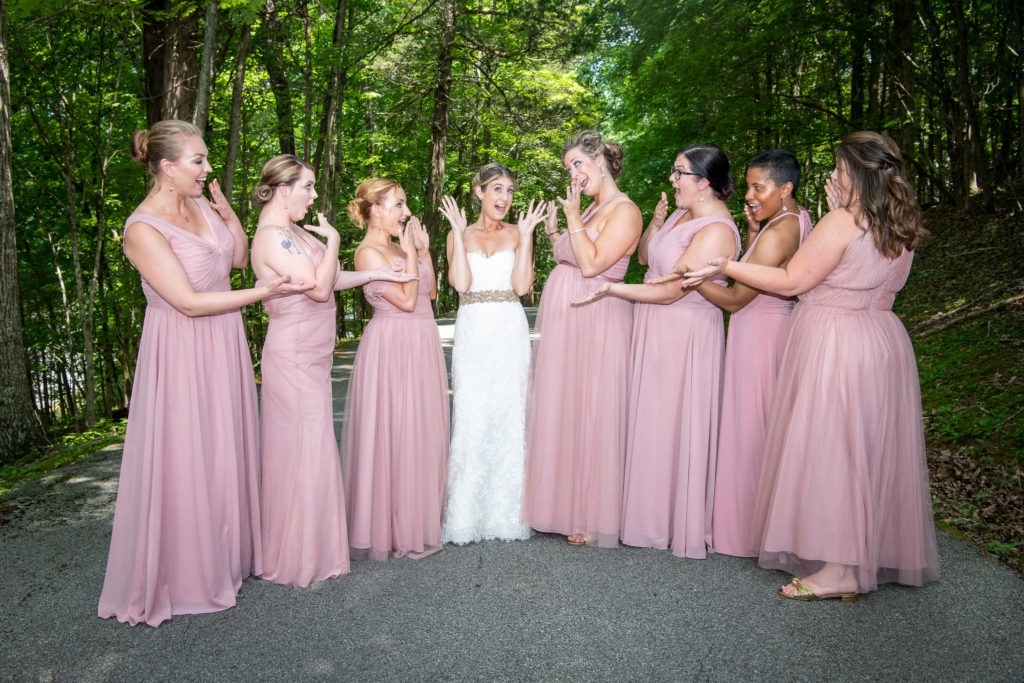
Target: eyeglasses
(678, 173)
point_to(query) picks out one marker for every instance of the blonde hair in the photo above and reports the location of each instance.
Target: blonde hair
(886, 198)
(487, 174)
(368, 193)
(592, 144)
(162, 141)
(284, 169)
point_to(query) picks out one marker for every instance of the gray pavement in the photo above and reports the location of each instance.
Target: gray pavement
(528, 610)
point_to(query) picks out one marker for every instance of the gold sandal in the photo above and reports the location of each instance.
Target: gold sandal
(802, 592)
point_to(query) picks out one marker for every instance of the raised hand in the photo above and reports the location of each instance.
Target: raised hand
(420, 238)
(714, 267)
(660, 212)
(323, 228)
(456, 216)
(529, 219)
(406, 242)
(571, 203)
(598, 293)
(551, 221)
(753, 225)
(220, 203)
(834, 195)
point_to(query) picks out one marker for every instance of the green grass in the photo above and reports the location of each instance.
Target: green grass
(65, 450)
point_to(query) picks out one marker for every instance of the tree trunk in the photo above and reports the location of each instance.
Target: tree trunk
(272, 51)
(439, 121)
(19, 426)
(324, 157)
(204, 92)
(977, 158)
(235, 123)
(169, 56)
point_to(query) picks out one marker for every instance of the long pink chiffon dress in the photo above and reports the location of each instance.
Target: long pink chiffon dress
(844, 477)
(753, 351)
(305, 538)
(674, 394)
(187, 521)
(576, 414)
(395, 437)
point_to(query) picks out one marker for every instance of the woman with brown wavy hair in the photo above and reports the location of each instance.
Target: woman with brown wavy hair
(843, 501)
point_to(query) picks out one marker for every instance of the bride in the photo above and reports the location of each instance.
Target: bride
(490, 264)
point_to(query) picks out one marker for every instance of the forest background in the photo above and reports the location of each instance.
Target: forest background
(426, 91)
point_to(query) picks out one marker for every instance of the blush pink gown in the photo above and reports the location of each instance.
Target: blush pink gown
(576, 413)
(303, 500)
(753, 350)
(674, 393)
(395, 438)
(844, 477)
(187, 521)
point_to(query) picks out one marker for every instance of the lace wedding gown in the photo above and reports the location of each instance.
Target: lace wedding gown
(490, 363)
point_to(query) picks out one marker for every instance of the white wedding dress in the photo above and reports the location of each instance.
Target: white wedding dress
(490, 364)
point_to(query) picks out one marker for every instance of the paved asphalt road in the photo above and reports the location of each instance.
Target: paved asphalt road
(528, 610)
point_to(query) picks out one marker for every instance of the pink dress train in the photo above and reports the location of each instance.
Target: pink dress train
(753, 351)
(186, 522)
(395, 438)
(576, 412)
(303, 500)
(844, 477)
(674, 393)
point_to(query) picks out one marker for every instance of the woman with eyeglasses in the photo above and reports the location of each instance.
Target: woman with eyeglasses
(576, 418)
(843, 501)
(676, 372)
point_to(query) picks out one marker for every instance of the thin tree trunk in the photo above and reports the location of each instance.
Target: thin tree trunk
(324, 156)
(978, 159)
(235, 123)
(19, 425)
(204, 91)
(439, 121)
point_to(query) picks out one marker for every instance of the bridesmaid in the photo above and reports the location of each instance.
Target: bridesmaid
(187, 520)
(676, 372)
(843, 500)
(757, 332)
(303, 502)
(395, 439)
(576, 419)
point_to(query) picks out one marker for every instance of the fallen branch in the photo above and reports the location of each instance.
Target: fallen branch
(921, 334)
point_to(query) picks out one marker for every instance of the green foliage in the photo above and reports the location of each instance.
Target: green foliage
(67, 449)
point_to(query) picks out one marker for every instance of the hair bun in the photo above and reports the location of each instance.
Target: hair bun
(262, 193)
(140, 146)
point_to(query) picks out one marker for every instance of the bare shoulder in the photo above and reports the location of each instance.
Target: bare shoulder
(368, 256)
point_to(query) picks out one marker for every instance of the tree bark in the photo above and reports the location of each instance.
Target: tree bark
(19, 426)
(272, 51)
(326, 151)
(169, 56)
(204, 91)
(235, 123)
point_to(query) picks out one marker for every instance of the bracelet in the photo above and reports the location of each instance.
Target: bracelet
(553, 232)
(576, 230)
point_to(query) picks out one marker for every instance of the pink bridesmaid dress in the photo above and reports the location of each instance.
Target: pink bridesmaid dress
(753, 350)
(674, 393)
(576, 414)
(395, 438)
(844, 477)
(187, 521)
(303, 502)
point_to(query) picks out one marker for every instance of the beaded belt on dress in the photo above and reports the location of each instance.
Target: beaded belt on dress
(488, 296)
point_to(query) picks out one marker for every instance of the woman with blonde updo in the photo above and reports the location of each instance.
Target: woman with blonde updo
(187, 520)
(843, 501)
(303, 503)
(395, 438)
(576, 419)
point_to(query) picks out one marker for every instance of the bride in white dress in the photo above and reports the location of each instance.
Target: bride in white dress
(490, 264)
